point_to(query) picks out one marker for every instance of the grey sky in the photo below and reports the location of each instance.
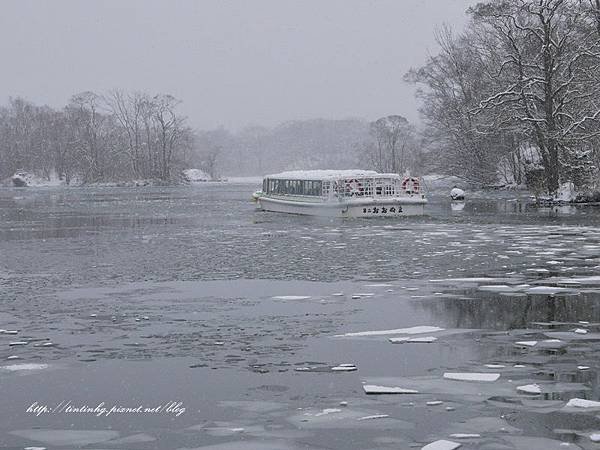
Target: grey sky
(233, 63)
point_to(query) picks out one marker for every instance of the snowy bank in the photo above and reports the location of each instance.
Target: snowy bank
(567, 193)
(27, 179)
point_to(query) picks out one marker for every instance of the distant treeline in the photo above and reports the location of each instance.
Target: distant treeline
(389, 144)
(517, 94)
(123, 136)
(118, 136)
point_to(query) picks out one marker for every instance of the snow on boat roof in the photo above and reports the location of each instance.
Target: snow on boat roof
(330, 174)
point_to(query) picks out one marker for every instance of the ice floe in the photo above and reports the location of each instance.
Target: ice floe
(472, 376)
(465, 435)
(376, 389)
(582, 403)
(411, 330)
(67, 438)
(344, 368)
(374, 416)
(417, 340)
(530, 389)
(441, 445)
(291, 297)
(345, 418)
(19, 367)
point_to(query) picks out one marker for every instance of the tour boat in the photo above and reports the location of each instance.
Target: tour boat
(341, 193)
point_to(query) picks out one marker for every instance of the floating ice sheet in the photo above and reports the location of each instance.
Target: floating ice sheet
(582, 403)
(530, 389)
(67, 438)
(376, 389)
(417, 340)
(29, 366)
(441, 445)
(410, 330)
(472, 376)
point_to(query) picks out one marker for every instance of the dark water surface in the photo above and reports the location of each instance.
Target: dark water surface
(155, 296)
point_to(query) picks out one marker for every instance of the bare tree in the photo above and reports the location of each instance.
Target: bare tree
(548, 58)
(393, 142)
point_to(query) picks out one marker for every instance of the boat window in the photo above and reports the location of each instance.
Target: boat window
(368, 188)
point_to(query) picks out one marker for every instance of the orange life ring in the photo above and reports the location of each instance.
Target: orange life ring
(354, 186)
(411, 185)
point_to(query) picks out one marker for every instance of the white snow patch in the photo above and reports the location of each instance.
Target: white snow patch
(465, 436)
(196, 175)
(566, 192)
(550, 290)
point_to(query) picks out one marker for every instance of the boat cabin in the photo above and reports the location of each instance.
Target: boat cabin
(329, 184)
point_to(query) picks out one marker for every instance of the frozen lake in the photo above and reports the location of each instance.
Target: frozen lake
(272, 331)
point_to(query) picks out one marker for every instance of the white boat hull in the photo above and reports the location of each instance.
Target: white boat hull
(389, 207)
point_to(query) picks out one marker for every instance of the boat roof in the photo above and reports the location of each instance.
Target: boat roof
(330, 174)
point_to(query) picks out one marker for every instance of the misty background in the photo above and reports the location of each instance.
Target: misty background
(498, 93)
(262, 86)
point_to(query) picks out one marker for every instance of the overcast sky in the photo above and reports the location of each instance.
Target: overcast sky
(233, 63)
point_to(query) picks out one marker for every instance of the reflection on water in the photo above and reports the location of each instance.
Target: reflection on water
(473, 309)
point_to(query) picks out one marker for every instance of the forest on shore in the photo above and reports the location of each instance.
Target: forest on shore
(513, 99)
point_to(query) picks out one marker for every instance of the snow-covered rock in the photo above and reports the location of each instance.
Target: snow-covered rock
(196, 175)
(19, 180)
(25, 179)
(457, 194)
